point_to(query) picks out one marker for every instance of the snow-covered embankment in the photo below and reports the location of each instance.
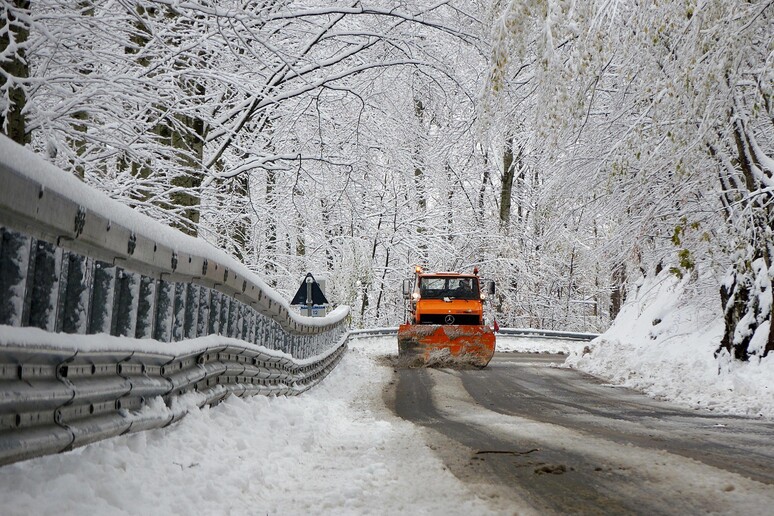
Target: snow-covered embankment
(663, 343)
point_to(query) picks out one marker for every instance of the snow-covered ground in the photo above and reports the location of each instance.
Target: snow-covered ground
(508, 343)
(663, 343)
(671, 360)
(337, 449)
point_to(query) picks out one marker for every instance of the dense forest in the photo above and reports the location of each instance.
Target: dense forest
(566, 148)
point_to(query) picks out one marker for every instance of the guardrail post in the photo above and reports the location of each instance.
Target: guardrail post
(247, 323)
(146, 304)
(279, 340)
(127, 295)
(240, 325)
(102, 296)
(233, 318)
(74, 293)
(203, 320)
(42, 295)
(29, 283)
(225, 305)
(258, 329)
(215, 298)
(14, 261)
(191, 311)
(251, 328)
(178, 321)
(164, 310)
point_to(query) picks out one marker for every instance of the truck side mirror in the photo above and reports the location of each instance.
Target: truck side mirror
(406, 288)
(490, 287)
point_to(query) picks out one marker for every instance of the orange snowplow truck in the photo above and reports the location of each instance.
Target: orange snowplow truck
(446, 320)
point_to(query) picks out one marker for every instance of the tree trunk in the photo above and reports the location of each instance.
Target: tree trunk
(482, 190)
(188, 139)
(509, 166)
(183, 133)
(13, 31)
(419, 184)
(746, 294)
(450, 228)
(190, 143)
(381, 284)
(618, 295)
(240, 231)
(521, 190)
(300, 237)
(271, 226)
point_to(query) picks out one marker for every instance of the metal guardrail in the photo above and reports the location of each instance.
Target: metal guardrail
(63, 237)
(548, 334)
(73, 261)
(373, 332)
(53, 400)
(515, 332)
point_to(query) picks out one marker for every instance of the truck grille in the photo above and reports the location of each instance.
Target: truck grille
(462, 319)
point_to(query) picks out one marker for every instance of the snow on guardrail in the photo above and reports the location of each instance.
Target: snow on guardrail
(112, 323)
(45, 202)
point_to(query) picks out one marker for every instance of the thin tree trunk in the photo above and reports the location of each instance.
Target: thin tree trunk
(271, 226)
(450, 205)
(419, 184)
(618, 295)
(507, 184)
(240, 231)
(15, 32)
(482, 191)
(381, 284)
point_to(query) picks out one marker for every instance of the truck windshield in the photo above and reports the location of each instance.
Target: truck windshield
(437, 287)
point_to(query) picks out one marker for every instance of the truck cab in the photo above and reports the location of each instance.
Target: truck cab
(446, 297)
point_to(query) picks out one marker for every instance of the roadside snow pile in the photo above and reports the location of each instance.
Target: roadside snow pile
(375, 346)
(663, 343)
(336, 449)
(509, 343)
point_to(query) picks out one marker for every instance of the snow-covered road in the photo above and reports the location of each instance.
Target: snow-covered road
(339, 449)
(571, 444)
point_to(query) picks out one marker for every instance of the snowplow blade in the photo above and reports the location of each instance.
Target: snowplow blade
(445, 345)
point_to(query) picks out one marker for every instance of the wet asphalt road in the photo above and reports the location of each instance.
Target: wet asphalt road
(523, 432)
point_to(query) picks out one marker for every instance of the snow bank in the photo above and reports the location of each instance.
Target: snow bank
(663, 343)
(508, 343)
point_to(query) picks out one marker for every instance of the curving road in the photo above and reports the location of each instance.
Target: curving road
(522, 432)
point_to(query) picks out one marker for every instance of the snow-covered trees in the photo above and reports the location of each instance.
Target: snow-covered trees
(254, 124)
(564, 147)
(659, 114)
